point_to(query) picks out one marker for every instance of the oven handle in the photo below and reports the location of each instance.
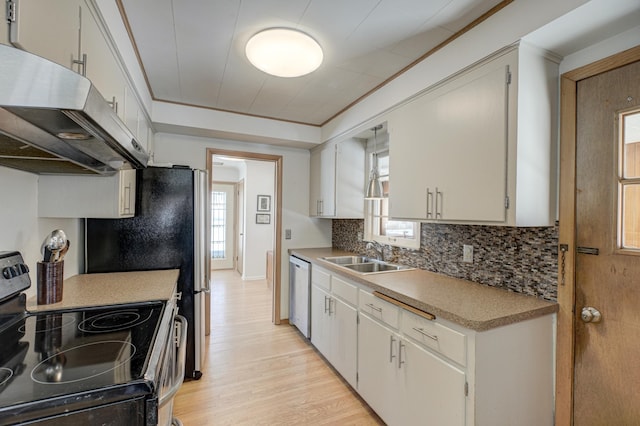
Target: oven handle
(180, 361)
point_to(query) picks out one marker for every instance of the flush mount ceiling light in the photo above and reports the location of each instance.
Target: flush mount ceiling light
(284, 52)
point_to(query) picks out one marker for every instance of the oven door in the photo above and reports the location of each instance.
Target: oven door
(172, 371)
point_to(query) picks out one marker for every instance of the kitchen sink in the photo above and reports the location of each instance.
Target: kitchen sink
(371, 267)
(348, 260)
(365, 265)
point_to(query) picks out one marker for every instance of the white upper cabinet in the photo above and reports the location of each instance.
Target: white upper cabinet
(46, 28)
(71, 33)
(479, 147)
(337, 180)
(88, 196)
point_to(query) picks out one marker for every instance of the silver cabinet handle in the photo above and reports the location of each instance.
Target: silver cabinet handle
(438, 205)
(429, 203)
(331, 302)
(327, 309)
(424, 333)
(392, 340)
(400, 360)
(374, 307)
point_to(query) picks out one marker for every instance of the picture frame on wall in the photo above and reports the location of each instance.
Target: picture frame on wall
(263, 218)
(264, 203)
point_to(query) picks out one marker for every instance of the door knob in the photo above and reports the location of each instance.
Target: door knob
(590, 314)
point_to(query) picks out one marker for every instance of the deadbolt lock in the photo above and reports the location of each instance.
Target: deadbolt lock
(590, 314)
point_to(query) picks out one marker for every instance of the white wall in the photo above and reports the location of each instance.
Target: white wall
(259, 238)
(22, 230)
(306, 232)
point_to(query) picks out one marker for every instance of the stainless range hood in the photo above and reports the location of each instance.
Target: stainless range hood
(54, 121)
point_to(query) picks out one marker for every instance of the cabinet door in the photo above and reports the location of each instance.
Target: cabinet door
(378, 375)
(101, 64)
(470, 137)
(433, 390)
(344, 339)
(315, 171)
(47, 28)
(408, 166)
(328, 181)
(127, 206)
(320, 326)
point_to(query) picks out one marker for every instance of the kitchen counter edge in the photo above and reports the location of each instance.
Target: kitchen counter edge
(112, 288)
(472, 305)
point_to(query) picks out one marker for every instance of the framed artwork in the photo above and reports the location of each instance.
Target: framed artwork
(264, 203)
(263, 218)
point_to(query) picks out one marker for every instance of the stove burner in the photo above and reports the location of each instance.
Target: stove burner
(112, 321)
(46, 322)
(5, 375)
(56, 370)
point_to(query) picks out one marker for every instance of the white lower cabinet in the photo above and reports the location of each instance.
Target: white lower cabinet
(334, 325)
(404, 383)
(413, 370)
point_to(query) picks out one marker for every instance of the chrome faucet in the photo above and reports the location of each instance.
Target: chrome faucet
(377, 248)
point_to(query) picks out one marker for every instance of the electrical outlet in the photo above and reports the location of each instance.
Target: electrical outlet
(467, 253)
(287, 234)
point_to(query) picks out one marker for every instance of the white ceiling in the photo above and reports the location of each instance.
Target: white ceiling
(192, 51)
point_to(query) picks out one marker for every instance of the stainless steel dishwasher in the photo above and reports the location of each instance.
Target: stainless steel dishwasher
(300, 295)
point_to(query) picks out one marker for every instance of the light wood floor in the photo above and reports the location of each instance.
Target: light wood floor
(257, 373)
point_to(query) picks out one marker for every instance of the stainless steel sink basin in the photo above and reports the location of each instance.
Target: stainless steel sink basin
(365, 265)
(348, 260)
(369, 268)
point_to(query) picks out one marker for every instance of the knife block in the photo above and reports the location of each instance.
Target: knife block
(49, 279)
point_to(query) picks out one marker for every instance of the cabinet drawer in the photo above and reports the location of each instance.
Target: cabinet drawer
(344, 290)
(380, 309)
(321, 278)
(436, 336)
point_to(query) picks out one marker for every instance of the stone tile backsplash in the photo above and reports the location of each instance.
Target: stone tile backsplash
(523, 260)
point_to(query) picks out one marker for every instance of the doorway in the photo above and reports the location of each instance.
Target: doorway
(599, 265)
(269, 212)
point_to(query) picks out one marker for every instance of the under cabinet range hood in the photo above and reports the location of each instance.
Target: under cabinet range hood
(54, 121)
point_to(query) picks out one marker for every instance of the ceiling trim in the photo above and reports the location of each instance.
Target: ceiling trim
(454, 36)
(450, 39)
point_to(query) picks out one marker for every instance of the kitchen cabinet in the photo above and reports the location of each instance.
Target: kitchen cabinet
(87, 196)
(334, 321)
(337, 180)
(402, 381)
(71, 33)
(467, 150)
(46, 28)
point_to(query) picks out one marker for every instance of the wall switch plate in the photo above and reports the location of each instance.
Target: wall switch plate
(467, 253)
(287, 234)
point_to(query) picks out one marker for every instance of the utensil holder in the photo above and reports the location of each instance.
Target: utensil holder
(49, 279)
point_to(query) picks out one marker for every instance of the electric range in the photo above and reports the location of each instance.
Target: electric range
(100, 365)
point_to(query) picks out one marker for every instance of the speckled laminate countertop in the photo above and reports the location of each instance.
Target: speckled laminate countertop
(112, 288)
(469, 304)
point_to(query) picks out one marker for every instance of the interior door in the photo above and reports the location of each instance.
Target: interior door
(241, 226)
(607, 331)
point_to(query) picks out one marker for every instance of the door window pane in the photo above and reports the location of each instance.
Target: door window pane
(629, 181)
(218, 225)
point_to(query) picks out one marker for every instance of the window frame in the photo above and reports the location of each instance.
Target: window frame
(623, 182)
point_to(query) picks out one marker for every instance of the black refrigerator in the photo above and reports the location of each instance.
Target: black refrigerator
(169, 231)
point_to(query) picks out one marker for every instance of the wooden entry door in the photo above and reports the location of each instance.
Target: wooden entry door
(607, 281)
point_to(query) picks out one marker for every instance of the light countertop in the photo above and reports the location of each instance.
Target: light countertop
(112, 288)
(469, 304)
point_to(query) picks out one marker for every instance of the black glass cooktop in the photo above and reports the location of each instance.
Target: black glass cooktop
(48, 355)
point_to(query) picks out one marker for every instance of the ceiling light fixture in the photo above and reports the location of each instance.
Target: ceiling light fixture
(284, 52)
(374, 189)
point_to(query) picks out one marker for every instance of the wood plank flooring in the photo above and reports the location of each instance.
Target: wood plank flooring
(257, 373)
